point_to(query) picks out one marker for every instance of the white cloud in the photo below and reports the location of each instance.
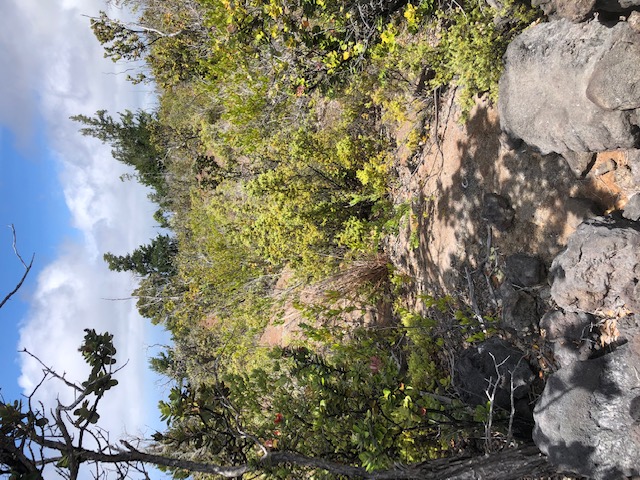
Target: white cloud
(53, 68)
(71, 296)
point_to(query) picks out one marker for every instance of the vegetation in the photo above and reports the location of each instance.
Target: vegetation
(34, 441)
(271, 159)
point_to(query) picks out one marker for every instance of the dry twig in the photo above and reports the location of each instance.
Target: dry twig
(27, 268)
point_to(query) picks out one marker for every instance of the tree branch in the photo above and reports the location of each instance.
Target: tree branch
(27, 268)
(505, 465)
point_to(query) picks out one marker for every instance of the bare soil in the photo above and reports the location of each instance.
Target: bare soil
(446, 236)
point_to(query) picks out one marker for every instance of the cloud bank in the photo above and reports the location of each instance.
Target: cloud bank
(54, 68)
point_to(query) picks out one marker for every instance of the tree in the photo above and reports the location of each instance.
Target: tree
(133, 138)
(170, 35)
(34, 440)
(157, 258)
(122, 40)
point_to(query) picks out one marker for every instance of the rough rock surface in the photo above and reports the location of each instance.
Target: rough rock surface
(542, 90)
(632, 209)
(524, 270)
(588, 417)
(599, 271)
(519, 309)
(574, 10)
(633, 162)
(634, 20)
(570, 333)
(475, 372)
(580, 162)
(621, 64)
(580, 10)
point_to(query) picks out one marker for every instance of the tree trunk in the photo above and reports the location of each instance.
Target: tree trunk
(509, 464)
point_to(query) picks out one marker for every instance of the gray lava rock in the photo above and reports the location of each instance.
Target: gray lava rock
(475, 372)
(600, 268)
(570, 334)
(498, 211)
(633, 162)
(587, 418)
(524, 270)
(614, 82)
(579, 162)
(581, 10)
(632, 208)
(574, 10)
(519, 309)
(542, 90)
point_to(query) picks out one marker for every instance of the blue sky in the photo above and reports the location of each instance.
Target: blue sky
(63, 193)
(31, 199)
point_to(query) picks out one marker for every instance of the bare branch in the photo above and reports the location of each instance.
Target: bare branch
(50, 371)
(27, 267)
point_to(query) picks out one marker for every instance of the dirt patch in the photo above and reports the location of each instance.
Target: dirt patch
(340, 300)
(446, 235)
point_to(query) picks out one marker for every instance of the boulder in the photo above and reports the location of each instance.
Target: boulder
(587, 419)
(519, 309)
(599, 270)
(498, 211)
(543, 97)
(524, 270)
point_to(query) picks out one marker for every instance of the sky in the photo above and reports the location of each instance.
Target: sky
(63, 194)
